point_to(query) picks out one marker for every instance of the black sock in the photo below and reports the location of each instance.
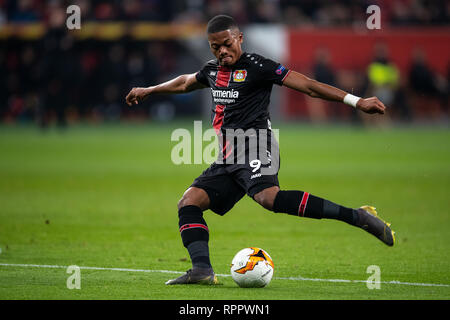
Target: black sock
(199, 253)
(303, 204)
(195, 235)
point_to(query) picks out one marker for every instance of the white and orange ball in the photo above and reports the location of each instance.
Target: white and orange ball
(252, 268)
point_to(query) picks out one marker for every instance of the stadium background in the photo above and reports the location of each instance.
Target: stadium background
(86, 180)
(52, 74)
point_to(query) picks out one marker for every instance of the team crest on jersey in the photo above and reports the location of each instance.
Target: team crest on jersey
(239, 75)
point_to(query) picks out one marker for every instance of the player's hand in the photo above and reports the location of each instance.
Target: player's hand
(371, 105)
(137, 95)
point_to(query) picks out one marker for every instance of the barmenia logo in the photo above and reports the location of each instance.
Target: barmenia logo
(225, 93)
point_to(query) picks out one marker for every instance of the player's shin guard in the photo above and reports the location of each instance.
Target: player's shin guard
(195, 235)
(304, 204)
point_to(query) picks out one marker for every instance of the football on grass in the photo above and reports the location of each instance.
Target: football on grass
(252, 268)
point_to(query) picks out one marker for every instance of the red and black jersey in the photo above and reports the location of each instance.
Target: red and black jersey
(241, 92)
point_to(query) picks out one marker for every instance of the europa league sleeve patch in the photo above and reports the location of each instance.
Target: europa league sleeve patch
(280, 69)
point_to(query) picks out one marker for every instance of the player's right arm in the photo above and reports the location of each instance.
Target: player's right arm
(181, 84)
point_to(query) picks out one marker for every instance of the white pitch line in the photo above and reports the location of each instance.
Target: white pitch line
(85, 268)
(366, 281)
(227, 275)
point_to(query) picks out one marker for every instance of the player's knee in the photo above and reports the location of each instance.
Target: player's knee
(194, 197)
(182, 203)
(266, 197)
(186, 201)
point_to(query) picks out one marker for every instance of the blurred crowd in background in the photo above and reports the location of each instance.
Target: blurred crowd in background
(291, 12)
(58, 78)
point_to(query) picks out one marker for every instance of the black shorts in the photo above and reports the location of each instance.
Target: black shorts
(227, 183)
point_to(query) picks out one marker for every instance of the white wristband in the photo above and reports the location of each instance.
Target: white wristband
(351, 100)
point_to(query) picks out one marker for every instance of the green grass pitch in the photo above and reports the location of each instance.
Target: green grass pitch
(106, 197)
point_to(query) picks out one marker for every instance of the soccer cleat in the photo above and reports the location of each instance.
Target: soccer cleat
(196, 276)
(369, 221)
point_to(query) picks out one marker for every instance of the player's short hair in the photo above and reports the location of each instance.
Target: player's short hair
(221, 23)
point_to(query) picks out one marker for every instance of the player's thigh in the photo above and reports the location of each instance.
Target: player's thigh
(256, 184)
(223, 192)
(261, 185)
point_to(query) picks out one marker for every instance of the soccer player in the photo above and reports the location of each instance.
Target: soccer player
(241, 85)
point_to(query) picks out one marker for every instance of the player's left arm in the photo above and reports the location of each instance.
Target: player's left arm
(316, 89)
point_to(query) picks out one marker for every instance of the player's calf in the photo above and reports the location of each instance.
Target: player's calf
(195, 235)
(304, 204)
